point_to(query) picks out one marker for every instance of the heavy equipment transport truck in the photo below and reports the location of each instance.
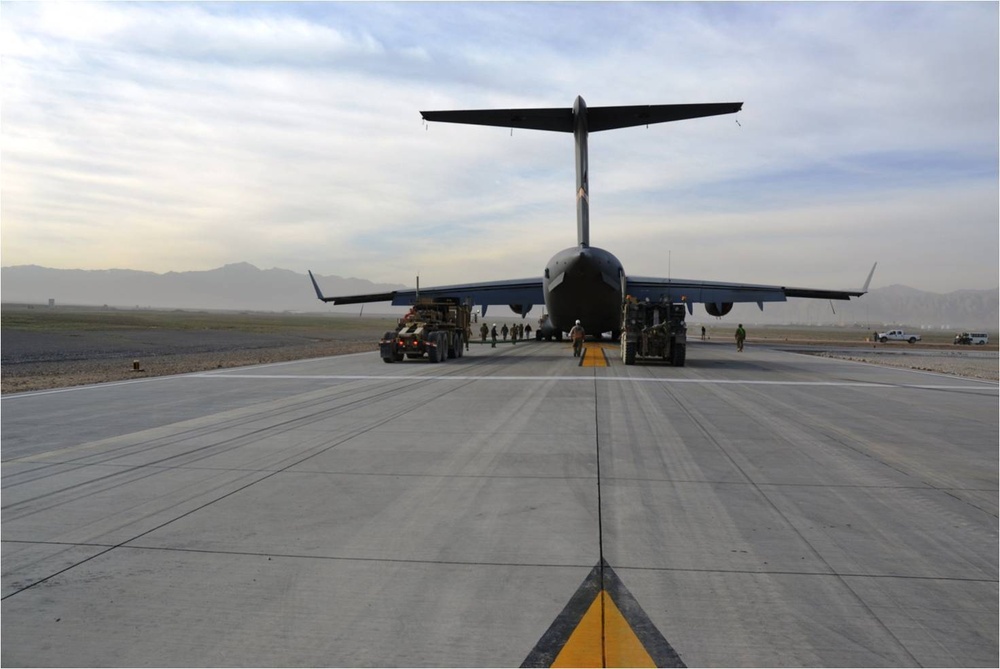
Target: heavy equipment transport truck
(437, 329)
(653, 330)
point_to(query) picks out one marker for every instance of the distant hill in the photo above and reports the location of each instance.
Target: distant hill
(242, 286)
(239, 286)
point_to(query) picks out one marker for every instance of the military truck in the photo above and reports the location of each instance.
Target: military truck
(653, 330)
(437, 329)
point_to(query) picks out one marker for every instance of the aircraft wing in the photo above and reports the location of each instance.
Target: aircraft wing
(524, 292)
(719, 293)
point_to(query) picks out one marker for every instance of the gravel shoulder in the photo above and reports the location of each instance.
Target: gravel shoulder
(959, 363)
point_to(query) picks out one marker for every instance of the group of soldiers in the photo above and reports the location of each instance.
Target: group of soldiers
(515, 332)
(521, 331)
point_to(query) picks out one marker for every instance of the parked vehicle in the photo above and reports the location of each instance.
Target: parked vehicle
(433, 328)
(653, 330)
(898, 335)
(978, 338)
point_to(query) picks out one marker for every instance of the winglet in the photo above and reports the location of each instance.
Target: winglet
(319, 293)
(867, 281)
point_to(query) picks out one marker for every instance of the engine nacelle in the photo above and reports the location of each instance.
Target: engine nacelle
(520, 309)
(718, 308)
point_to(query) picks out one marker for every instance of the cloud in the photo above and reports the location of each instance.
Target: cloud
(187, 136)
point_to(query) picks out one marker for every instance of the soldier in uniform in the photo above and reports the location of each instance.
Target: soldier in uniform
(577, 335)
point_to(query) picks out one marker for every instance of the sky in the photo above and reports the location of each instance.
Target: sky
(186, 136)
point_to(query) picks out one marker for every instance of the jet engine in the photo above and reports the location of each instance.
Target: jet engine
(718, 308)
(520, 309)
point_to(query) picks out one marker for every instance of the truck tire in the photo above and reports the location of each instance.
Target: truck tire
(442, 346)
(677, 354)
(883, 340)
(628, 352)
(912, 340)
(393, 357)
(433, 350)
(452, 346)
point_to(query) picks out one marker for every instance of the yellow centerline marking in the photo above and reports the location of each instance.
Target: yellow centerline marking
(595, 356)
(602, 625)
(603, 639)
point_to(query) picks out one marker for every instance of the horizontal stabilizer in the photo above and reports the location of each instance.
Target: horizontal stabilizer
(558, 120)
(609, 118)
(598, 118)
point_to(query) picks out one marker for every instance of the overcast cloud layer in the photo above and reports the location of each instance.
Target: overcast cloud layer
(183, 136)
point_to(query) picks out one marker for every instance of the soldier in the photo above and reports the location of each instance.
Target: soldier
(577, 334)
(527, 330)
(493, 335)
(741, 336)
(504, 331)
(484, 330)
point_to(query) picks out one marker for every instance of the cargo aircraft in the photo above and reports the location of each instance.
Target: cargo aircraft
(584, 282)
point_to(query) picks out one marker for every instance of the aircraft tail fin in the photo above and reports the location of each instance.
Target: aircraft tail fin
(582, 120)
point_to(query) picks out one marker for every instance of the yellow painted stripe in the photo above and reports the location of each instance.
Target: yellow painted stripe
(594, 357)
(611, 644)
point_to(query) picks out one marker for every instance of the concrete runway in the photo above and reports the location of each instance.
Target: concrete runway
(507, 508)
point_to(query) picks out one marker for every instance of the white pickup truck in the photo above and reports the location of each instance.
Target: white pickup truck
(898, 335)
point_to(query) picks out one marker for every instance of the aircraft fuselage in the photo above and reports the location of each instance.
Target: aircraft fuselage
(584, 283)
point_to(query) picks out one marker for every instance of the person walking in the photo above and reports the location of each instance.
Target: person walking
(504, 331)
(493, 335)
(527, 330)
(484, 330)
(577, 334)
(741, 336)
(703, 333)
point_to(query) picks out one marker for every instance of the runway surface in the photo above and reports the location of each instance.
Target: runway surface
(510, 507)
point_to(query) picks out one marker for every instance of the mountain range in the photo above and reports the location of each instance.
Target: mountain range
(244, 287)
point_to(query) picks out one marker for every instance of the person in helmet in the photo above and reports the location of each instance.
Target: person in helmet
(577, 334)
(741, 336)
(493, 335)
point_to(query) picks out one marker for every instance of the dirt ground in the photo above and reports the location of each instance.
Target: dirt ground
(41, 351)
